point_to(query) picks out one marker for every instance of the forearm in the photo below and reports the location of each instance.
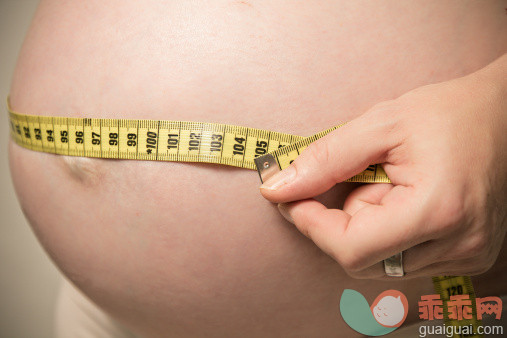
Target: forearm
(489, 86)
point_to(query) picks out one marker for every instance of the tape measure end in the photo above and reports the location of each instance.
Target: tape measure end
(266, 166)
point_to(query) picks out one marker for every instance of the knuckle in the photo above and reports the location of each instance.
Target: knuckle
(319, 152)
(307, 229)
(351, 263)
(474, 247)
(481, 267)
(313, 229)
(479, 271)
(480, 263)
(461, 254)
(488, 265)
(477, 245)
(386, 108)
(356, 274)
(387, 113)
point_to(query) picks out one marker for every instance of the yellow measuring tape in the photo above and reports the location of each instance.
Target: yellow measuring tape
(447, 286)
(182, 141)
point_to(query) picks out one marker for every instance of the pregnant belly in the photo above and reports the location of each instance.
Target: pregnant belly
(193, 249)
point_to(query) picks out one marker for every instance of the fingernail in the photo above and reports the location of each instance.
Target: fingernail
(280, 179)
(285, 212)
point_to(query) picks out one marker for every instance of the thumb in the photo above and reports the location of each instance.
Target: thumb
(341, 154)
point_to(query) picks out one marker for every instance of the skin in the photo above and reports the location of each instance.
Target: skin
(195, 250)
(446, 206)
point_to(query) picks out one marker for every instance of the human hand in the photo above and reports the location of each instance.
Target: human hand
(444, 148)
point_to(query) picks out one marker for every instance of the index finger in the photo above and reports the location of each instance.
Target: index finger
(372, 234)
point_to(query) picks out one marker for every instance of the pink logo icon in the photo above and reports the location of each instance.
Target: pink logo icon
(390, 308)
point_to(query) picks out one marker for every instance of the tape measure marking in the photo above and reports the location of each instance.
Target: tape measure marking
(269, 164)
(181, 141)
(447, 286)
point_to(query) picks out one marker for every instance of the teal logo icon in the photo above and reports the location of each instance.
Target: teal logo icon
(387, 312)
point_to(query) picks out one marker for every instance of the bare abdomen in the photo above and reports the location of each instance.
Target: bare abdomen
(194, 249)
